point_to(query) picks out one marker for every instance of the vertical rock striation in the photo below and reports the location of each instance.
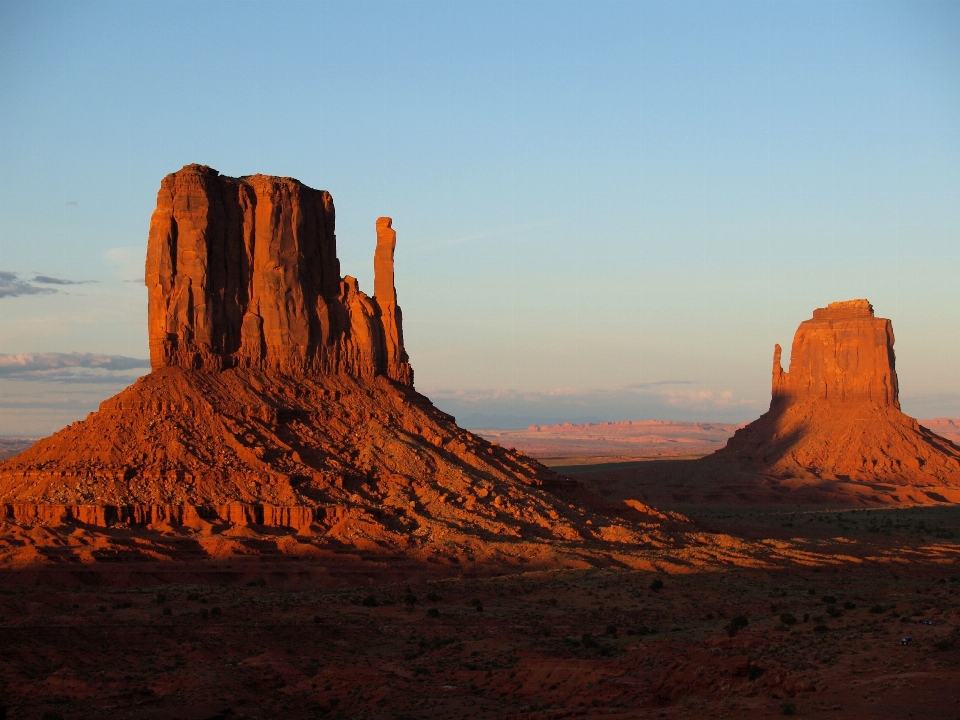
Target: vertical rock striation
(243, 272)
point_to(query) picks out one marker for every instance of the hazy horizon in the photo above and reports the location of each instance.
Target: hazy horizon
(604, 211)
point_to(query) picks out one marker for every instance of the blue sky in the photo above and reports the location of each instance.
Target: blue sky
(604, 210)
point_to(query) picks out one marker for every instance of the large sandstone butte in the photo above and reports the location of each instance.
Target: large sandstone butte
(836, 413)
(243, 273)
(281, 395)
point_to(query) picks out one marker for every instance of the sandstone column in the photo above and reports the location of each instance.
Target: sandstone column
(396, 364)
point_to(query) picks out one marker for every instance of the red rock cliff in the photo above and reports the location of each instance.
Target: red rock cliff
(843, 354)
(243, 272)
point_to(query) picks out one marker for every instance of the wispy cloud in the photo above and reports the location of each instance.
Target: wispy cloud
(49, 280)
(71, 367)
(11, 285)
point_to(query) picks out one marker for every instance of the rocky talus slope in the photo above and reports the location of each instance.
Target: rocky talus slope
(836, 413)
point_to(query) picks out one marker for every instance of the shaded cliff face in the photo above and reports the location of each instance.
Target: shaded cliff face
(843, 354)
(836, 413)
(243, 272)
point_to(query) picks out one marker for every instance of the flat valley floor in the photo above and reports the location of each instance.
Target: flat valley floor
(372, 637)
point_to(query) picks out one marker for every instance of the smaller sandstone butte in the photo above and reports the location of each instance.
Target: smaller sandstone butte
(836, 413)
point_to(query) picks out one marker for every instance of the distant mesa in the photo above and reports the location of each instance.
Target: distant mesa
(282, 395)
(836, 413)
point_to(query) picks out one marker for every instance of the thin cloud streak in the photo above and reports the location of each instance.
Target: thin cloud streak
(12, 286)
(69, 367)
(49, 280)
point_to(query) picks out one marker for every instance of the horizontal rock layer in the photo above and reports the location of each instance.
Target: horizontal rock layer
(158, 516)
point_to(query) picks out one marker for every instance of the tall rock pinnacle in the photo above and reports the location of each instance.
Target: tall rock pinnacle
(243, 272)
(396, 363)
(836, 413)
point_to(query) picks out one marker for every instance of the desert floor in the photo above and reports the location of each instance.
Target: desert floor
(367, 637)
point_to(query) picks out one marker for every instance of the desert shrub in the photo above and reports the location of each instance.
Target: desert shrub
(806, 617)
(159, 598)
(193, 596)
(122, 605)
(215, 612)
(204, 613)
(587, 641)
(316, 619)
(828, 599)
(877, 608)
(167, 611)
(788, 619)
(477, 604)
(642, 630)
(849, 605)
(52, 715)
(788, 708)
(754, 672)
(612, 630)
(735, 625)
(656, 584)
(433, 597)
(820, 628)
(433, 613)
(833, 611)
(369, 601)
(410, 599)
(774, 608)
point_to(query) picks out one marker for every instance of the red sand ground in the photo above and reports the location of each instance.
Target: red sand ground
(355, 636)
